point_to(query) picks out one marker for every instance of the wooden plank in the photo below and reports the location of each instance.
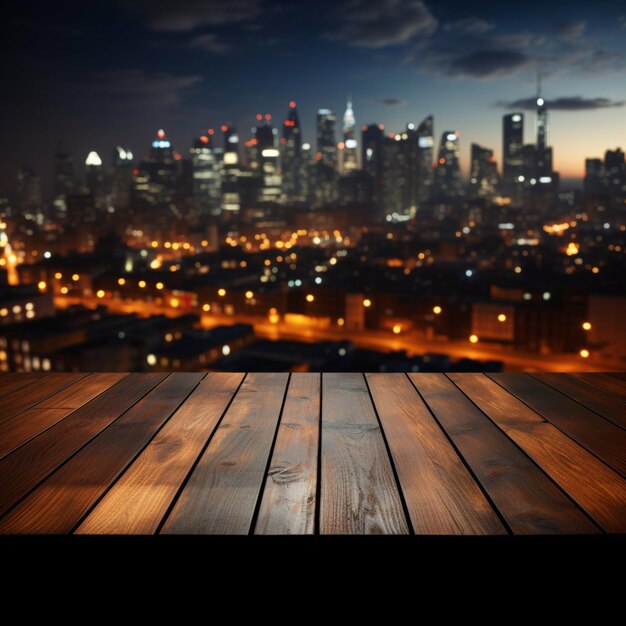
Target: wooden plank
(526, 498)
(588, 481)
(604, 439)
(77, 394)
(620, 375)
(604, 382)
(604, 404)
(359, 494)
(26, 397)
(27, 466)
(16, 380)
(441, 495)
(60, 502)
(223, 489)
(289, 498)
(139, 500)
(25, 425)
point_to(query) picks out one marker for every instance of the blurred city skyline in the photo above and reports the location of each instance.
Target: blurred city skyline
(91, 78)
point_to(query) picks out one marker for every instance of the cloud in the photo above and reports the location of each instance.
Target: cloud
(209, 42)
(569, 30)
(470, 25)
(380, 23)
(133, 88)
(187, 15)
(391, 102)
(489, 63)
(566, 103)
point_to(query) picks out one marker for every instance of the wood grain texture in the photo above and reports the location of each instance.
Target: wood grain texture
(604, 404)
(75, 395)
(23, 426)
(359, 494)
(15, 380)
(527, 499)
(588, 481)
(619, 375)
(33, 393)
(289, 498)
(27, 466)
(223, 489)
(441, 495)
(604, 382)
(59, 503)
(604, 439)
(138, 501)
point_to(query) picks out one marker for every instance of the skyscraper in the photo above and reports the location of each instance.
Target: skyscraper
(512, 153)
(372, 159)
(425, 171)
(268, 157)
(541, 118)
(483, 173)
(349, 148)
(291, 144)
(594, 177)
(230, 170)
(448, 173)
(326, 157)
(122, 177)
(206, 175)
(94, 177)
(615, 173)
(64, 175)
(29, 190)
(156, 177)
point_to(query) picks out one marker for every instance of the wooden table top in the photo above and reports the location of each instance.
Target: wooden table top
(306, 453)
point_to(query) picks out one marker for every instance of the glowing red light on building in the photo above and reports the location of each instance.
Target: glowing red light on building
(211, 131)
(268, 117)
(204, 139)
(292, 104)
(135, 172)
(178, 157)
(442, 161)
(224, 128)
(341, 145)
(161, 134)
(381, 126)
(259, 117)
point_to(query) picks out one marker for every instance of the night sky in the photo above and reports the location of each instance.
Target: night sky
(90, 75)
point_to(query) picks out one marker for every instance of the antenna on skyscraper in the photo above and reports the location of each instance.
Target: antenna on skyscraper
(538, 82)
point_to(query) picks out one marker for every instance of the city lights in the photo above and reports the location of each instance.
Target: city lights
(310, 297)
(397, 329)
(584, 353)
(367, 303)
(586, 325)
(473, 338)
(41, 285)
(502, 317)
(437, 310)
(100, 293)
(121, 281)
(221, 292)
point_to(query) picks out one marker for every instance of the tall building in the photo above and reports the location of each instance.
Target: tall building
(425, 171)
(326, 157)
(541, 119)
(230, 171)
(64, 182)
(155, 180)
(268, 159)
(615, 173)
(372, 138)
(122, 177)
(594, 177)
(94, 177)
(448, 173)
(29, 196)
(512, 153)
(292, 161)
(394, 176)
(349, 146)
(483, 173)
(206, 174)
